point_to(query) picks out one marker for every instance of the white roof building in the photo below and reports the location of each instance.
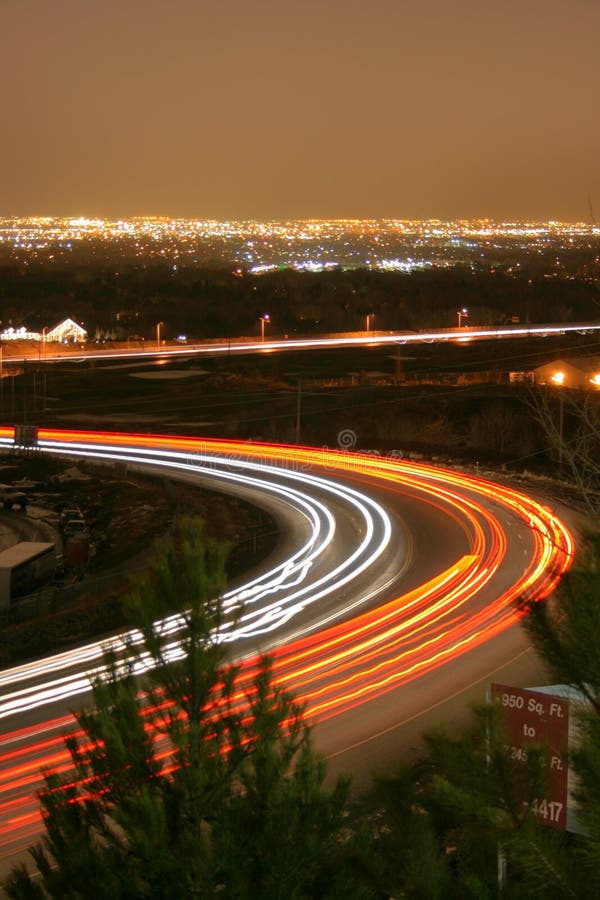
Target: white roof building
(19, 334)
(68, 330)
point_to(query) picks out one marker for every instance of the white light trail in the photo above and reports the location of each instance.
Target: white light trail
(241, 346)
(261, 614)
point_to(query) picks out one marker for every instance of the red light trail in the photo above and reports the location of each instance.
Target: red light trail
(336, 662)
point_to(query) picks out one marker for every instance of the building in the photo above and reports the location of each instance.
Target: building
(23, 567)
(19, 334)
(581, 372)
(66, 331)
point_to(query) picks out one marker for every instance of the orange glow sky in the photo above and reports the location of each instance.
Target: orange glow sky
(320, 108)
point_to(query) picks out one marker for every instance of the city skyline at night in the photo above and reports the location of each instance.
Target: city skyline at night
(305, 245)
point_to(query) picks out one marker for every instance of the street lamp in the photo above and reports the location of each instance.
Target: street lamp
(462, 314)
(41, 342)
(558, 380)
(158, 324)
(264, 318)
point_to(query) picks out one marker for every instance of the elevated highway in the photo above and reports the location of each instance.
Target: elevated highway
(52, 353)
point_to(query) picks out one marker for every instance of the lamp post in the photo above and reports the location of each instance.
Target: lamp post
(462, 314)
(158, 324)
(558, 379)
(369, 317)
(42, 340)
(298, 402)
(264, 318)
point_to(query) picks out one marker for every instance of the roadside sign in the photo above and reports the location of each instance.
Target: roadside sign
(532, 718)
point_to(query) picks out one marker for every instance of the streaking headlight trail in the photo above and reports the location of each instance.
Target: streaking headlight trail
(269, 601)
(394, 569)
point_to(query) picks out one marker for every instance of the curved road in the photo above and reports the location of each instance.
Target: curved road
(391, 590)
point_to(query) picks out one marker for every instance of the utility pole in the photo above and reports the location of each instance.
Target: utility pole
(25, 391)
(561, 424)
(298, 404)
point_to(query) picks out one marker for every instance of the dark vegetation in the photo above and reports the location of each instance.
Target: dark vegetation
(120, 301)
(125, 513)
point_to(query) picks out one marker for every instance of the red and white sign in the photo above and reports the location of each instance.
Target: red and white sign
(533, 718)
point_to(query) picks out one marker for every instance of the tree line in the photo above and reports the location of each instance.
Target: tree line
(117, 302)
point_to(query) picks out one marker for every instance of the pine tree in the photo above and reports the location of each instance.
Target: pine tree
(197, 778)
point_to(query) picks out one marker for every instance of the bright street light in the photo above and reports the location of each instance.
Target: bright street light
(264, 318)
(462, 314)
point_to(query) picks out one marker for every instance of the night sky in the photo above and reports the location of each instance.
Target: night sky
(312, 108)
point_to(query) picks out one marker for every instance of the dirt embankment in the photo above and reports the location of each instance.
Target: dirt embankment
(124, 513)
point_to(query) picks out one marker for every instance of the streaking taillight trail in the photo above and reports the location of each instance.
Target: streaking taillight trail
(340, 618)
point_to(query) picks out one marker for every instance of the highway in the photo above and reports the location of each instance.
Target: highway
(50, 353)
(392, 588)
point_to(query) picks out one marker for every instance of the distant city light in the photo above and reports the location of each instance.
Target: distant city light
(248, 247)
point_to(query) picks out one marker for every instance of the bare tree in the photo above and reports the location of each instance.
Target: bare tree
(570, 420)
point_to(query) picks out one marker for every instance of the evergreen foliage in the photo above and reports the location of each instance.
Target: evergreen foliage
(206, 783)
(203, 783)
